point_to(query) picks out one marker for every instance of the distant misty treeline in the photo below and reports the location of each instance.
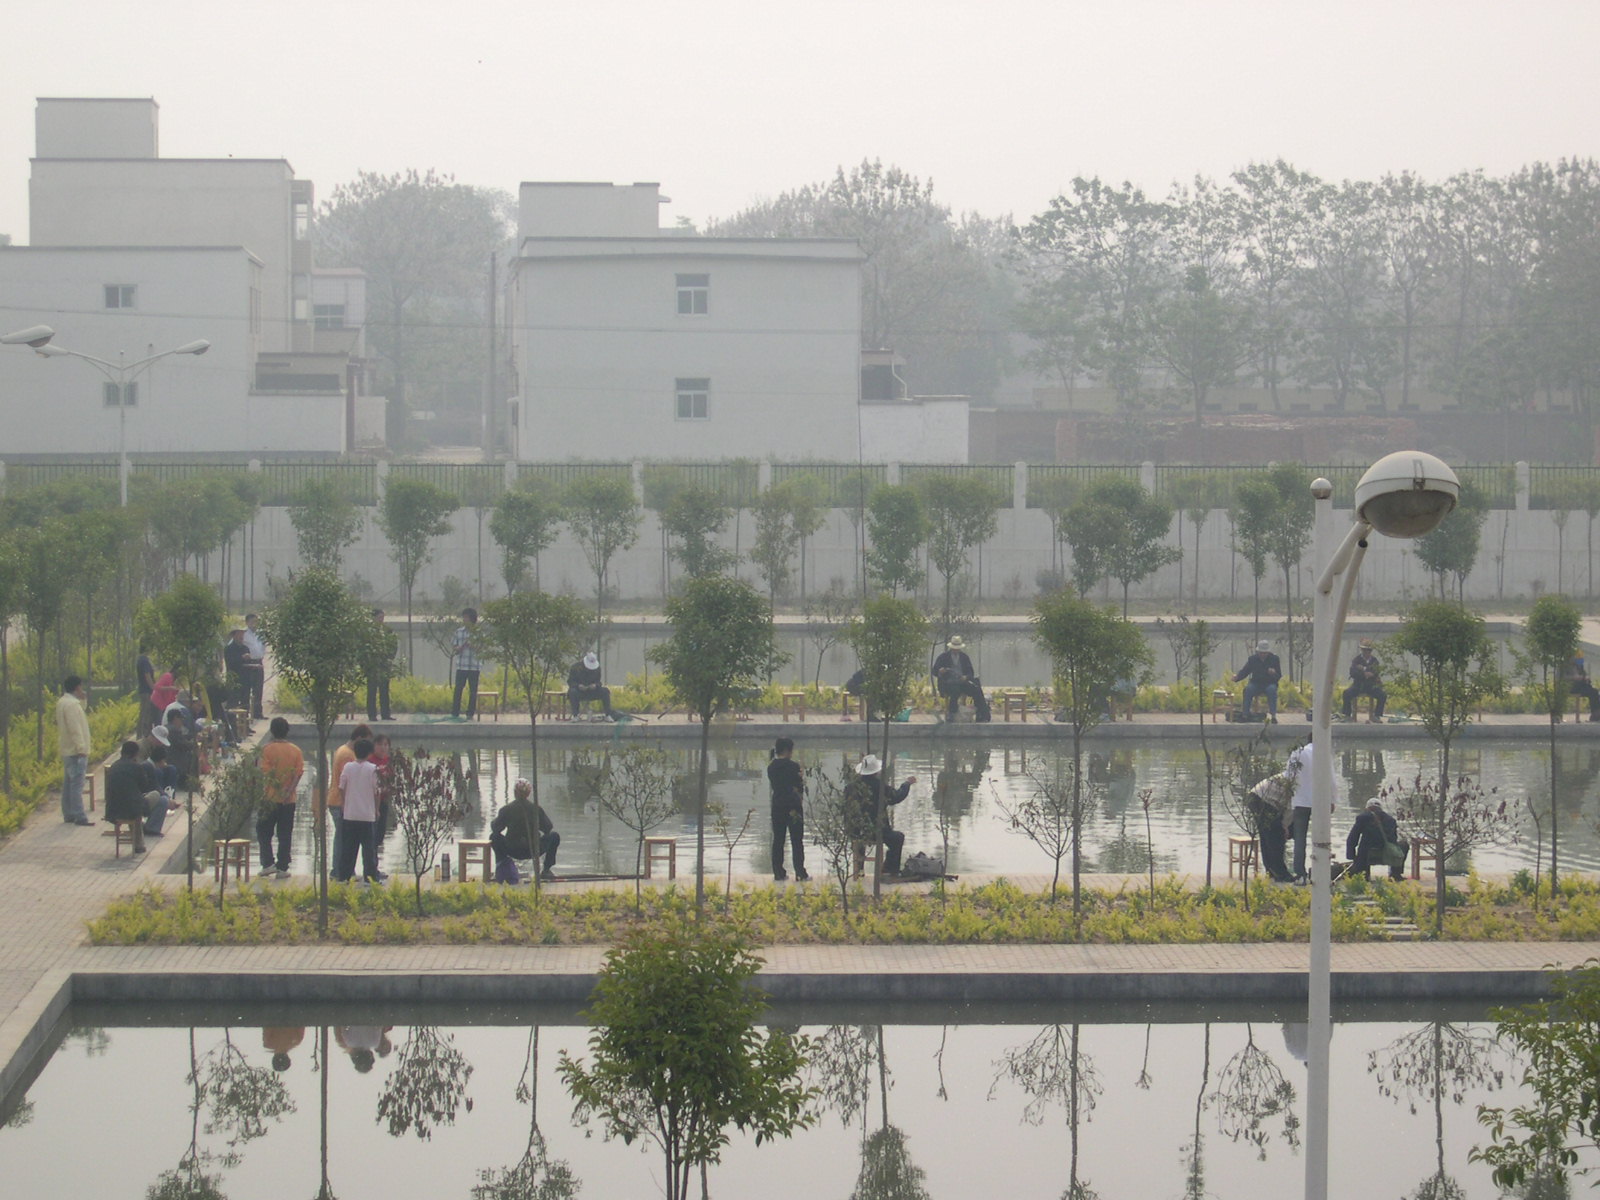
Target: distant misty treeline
(1480, 288)
(1484, 289)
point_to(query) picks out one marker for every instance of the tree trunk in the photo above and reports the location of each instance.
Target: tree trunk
(700, 816)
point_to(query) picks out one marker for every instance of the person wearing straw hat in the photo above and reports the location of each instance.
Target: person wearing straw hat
(872, 797)
(583, 683)
(1364, 681)
(1261, 670)
(954, 677)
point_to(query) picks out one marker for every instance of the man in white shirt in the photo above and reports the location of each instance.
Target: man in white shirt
(72, 734)
(256, 675)
(1299, 770)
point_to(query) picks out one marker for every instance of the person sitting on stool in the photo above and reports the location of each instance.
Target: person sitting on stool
(1263, 670)
(511, 833)
(1364, 846)
(869, 794)
(1576, 677)
(954, 677)
(583, 683)
(1364, 681)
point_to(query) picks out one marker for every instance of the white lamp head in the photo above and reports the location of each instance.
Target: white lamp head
(1406, 494)
(199, 346)
(34, 335)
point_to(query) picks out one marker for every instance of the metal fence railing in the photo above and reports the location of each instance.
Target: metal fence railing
(282, 479)
(474, 485)
(736, 481)
(1572, 489)
(1055, 484)
(845, 484)
(999, 478)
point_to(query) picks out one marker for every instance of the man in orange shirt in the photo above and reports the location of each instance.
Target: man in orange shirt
(284, 764)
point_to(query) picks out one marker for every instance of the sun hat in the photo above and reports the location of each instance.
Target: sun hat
(1263, 645)
(955, 643)
(1366, 643)
(591, 661)
(159, 732)
(870, 765)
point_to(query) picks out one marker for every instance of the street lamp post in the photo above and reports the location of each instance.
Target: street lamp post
(1402, 495)
(120, 375)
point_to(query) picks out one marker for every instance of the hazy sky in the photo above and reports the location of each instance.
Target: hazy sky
(725, 101)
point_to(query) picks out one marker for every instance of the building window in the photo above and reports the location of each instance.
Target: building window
(694, 293)
(120, 295)
(130, 390)
(302, 220)
(693, 399)
(328, 316)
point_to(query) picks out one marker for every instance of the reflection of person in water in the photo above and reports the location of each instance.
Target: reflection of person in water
(1363, 770)
(281, 1039)
(954, 786)
(363, 1043)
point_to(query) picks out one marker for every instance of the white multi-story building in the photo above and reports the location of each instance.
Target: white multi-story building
(131, 254)
(630, 341)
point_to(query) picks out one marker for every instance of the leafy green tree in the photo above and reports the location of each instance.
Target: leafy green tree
(184, 626)
(325, 521)
(641, 793)
(604, 516)
(963, 512)
(777, 544)
(1119, 530)
(889, 640)
(46, 578)
(1550, 639)
(1452, 548)
(428, 805)
(722, 640)
(318, 634)
(897, 525)
(425, 242)
(1289, 534)
(1200, 334)
(536, 637)
(692, 520)
(1446, 668)
(1092, 650)
(1254, 508)
(675, 1053)
(412, 513)
(1558, 1039)
(524, 524)
(1196, 495)
(1055, 495)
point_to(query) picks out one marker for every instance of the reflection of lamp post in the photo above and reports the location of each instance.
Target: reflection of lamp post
(120, 375)
(1402, 495)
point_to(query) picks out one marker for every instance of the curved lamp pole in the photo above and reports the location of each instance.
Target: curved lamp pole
(1402, 495)
(120, 374)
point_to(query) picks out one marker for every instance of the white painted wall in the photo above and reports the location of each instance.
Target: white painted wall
(186, 403)
(95, 127)
(599, 345)
(588, 210)
(928, 429)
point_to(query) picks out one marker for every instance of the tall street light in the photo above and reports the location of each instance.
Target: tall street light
(33, 335)
(121, 376)
(1402, 495)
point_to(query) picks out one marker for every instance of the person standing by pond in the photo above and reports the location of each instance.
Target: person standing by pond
(72, 739)
(788, 787)
(464, 653)
(284, 764)
(379, 654)
(358, 785)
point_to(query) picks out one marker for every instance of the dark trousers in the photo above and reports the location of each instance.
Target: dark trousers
(954, 691)
(148, 716)
(465, 679)
(549, 843)
(1273, 840)
(255, 683)
(277, 821)
(362, 836)
(1582, 687)
(790, 822)
(894, 842)
(577, 695)
(1362, 864)
(378, 697)
(1375, 690)
(1302, 829)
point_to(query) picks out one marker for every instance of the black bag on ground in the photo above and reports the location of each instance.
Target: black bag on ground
(921, 866)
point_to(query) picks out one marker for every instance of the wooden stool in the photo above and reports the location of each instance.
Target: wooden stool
(1423, 849)
(555, 706)
(1223, 697)
(122, 831)
(241, 723)
(1012, 699)
(857, 702)
(662, 850)
(473, 852)
(860, 856)
(483, 696)
(233, 852)
(798, 699)
(1241, 855)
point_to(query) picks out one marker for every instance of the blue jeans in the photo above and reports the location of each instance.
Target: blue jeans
(158, 812)
(1270, 691)
(75, 767)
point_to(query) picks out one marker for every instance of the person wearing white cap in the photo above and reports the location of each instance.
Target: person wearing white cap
(954, 677)
(1262, 670)
(1365, 845)
(583, 683)
(1365, 681)
(872, 797)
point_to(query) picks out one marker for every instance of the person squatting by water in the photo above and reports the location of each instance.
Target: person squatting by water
(523, 830)
(788, 787)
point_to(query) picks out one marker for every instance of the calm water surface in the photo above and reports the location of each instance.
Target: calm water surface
(967, 1108)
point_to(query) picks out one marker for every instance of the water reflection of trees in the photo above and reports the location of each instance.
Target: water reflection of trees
(1427, 1064)
(1052, 1070)
(1194, 1153)
(428, 1085)
(1251, 1091)
(534, 1176)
